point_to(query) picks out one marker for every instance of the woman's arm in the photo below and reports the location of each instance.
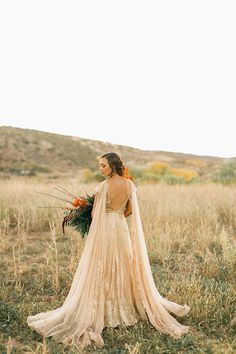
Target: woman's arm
(128, 210)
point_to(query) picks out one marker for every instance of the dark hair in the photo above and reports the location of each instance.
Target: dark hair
(115, 163)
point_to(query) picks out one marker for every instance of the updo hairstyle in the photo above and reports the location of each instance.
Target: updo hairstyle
(115, 163)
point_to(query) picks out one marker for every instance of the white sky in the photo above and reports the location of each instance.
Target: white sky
(155, 75)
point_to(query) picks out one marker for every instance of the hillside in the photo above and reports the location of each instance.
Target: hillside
(23, 150)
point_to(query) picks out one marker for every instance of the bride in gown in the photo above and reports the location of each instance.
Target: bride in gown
(113, 284)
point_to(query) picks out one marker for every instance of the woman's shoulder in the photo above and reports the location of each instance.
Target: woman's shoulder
(131, 184)
(100, 186)
(132, 187)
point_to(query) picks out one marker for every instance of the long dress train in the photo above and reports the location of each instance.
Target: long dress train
(113, 284)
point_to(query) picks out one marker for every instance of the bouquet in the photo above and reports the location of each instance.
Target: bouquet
(79, 215)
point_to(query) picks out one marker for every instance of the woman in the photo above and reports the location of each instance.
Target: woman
(113, 283)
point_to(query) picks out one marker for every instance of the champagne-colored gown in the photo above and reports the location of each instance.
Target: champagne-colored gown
(113, 283)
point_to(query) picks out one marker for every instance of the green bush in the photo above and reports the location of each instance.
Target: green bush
(136, 172)
(226, 174)
(151, 177)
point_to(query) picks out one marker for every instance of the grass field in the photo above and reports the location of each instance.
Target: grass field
(190, 234)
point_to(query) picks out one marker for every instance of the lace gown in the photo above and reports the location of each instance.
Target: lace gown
(111, 285)
(119, 306)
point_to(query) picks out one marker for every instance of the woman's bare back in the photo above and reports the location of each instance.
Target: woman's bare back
(118, 192)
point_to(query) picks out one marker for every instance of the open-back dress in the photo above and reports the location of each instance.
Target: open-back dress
(113, 284)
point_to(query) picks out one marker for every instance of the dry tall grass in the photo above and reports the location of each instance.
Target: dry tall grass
(190, 234)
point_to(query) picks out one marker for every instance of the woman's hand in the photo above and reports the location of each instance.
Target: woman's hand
(128, 210)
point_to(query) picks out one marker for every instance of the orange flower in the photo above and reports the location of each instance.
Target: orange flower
(126, 173)
(77, 202)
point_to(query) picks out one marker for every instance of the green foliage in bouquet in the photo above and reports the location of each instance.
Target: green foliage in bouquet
(80, 217)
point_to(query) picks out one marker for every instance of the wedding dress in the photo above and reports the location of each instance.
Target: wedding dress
(113, 284)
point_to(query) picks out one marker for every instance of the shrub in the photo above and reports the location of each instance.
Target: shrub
(137, 172)
(159, 168)
(226, 174)
(187, 175)
(87, 175)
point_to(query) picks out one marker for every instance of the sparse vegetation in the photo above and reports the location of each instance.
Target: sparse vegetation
(190, 234)
(36, 154)
(226, 174)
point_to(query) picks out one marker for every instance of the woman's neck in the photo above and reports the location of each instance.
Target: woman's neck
(115, 176)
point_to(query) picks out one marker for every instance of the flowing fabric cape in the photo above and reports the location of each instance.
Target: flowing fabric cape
(80, 320)
(156, 307)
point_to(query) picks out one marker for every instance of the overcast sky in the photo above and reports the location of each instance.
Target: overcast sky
(155, 75)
